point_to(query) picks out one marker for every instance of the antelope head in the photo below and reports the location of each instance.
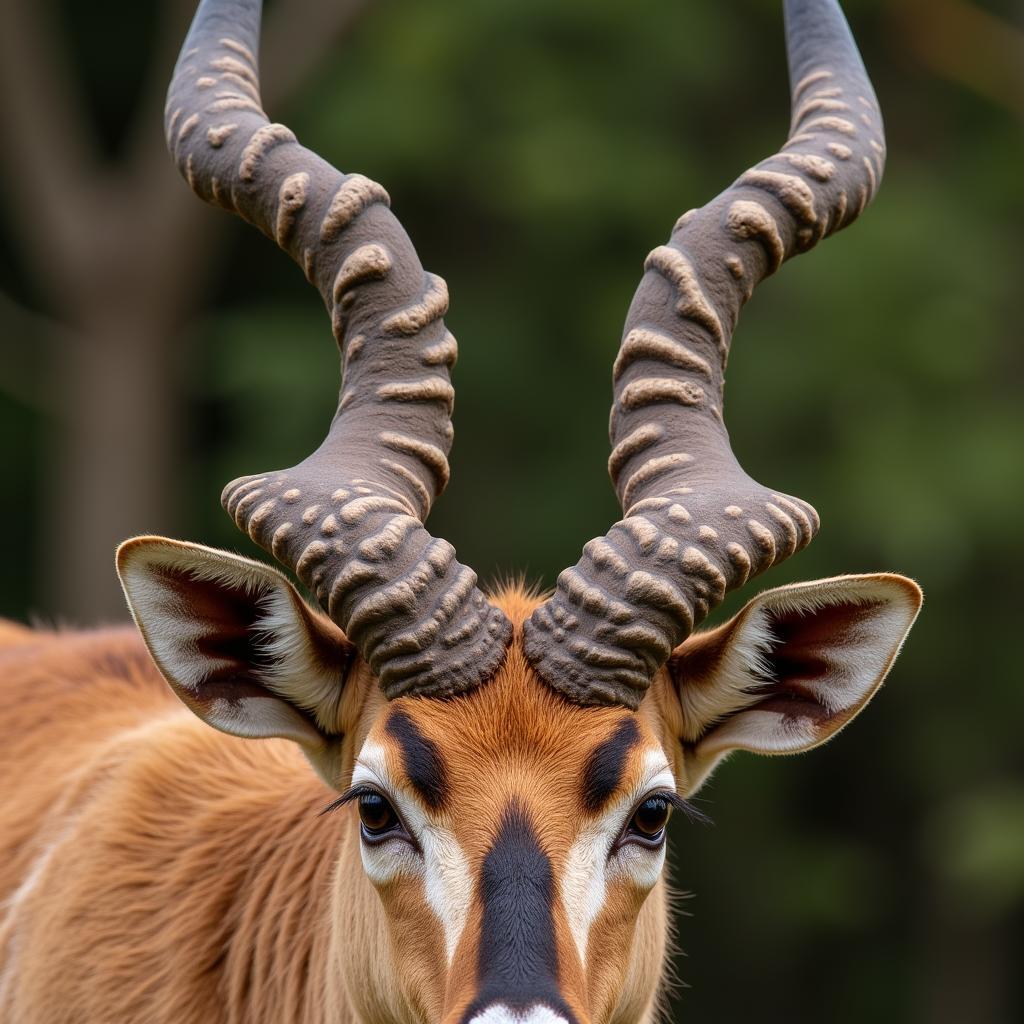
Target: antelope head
(508, 765)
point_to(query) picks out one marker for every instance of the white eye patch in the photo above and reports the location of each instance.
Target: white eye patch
(589, 868)
(443, 867)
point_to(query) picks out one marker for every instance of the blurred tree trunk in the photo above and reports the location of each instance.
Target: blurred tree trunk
(118, 252)
(116, 460)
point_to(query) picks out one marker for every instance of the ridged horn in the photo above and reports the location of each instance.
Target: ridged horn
(348, 520)
(696, 525)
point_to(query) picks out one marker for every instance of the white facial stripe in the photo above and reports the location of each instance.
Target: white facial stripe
(588, 867)
(447, 882)
(499, 1013)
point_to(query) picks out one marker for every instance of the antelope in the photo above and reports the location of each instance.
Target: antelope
(498, 769)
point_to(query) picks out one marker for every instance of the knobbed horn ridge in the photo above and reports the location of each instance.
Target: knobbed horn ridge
(349, 518)
(696, 525)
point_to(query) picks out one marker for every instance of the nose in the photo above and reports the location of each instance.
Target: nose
(500, 1013)
(519, 976)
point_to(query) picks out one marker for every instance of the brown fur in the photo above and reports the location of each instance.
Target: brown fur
(518, 739)
(156, 870)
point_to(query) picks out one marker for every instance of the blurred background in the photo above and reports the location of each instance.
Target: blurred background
(536, 150)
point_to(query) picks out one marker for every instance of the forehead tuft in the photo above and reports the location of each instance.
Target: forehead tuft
(515, 726)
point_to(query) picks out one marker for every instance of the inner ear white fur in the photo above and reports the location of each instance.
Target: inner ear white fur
(238, 644)
(791, 669)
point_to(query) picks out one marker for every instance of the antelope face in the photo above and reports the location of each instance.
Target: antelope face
(527, 832)
(516, 839)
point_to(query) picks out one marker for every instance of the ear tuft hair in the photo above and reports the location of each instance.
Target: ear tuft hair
(792, 668)
(236, 641)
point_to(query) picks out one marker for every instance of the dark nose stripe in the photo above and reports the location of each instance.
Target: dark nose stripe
(517, 963)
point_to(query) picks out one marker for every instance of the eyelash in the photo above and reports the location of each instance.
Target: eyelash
(693, 815)
(350, 794)
(675, 801)
(363, 789)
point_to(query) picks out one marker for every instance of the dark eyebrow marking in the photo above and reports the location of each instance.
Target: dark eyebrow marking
(602, 773)
(423, 762)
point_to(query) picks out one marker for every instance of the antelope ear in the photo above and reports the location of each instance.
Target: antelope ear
(791, 669)
(238, 644)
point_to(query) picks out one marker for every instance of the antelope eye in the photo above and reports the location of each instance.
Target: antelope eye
(376, 815)
(649, 820)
